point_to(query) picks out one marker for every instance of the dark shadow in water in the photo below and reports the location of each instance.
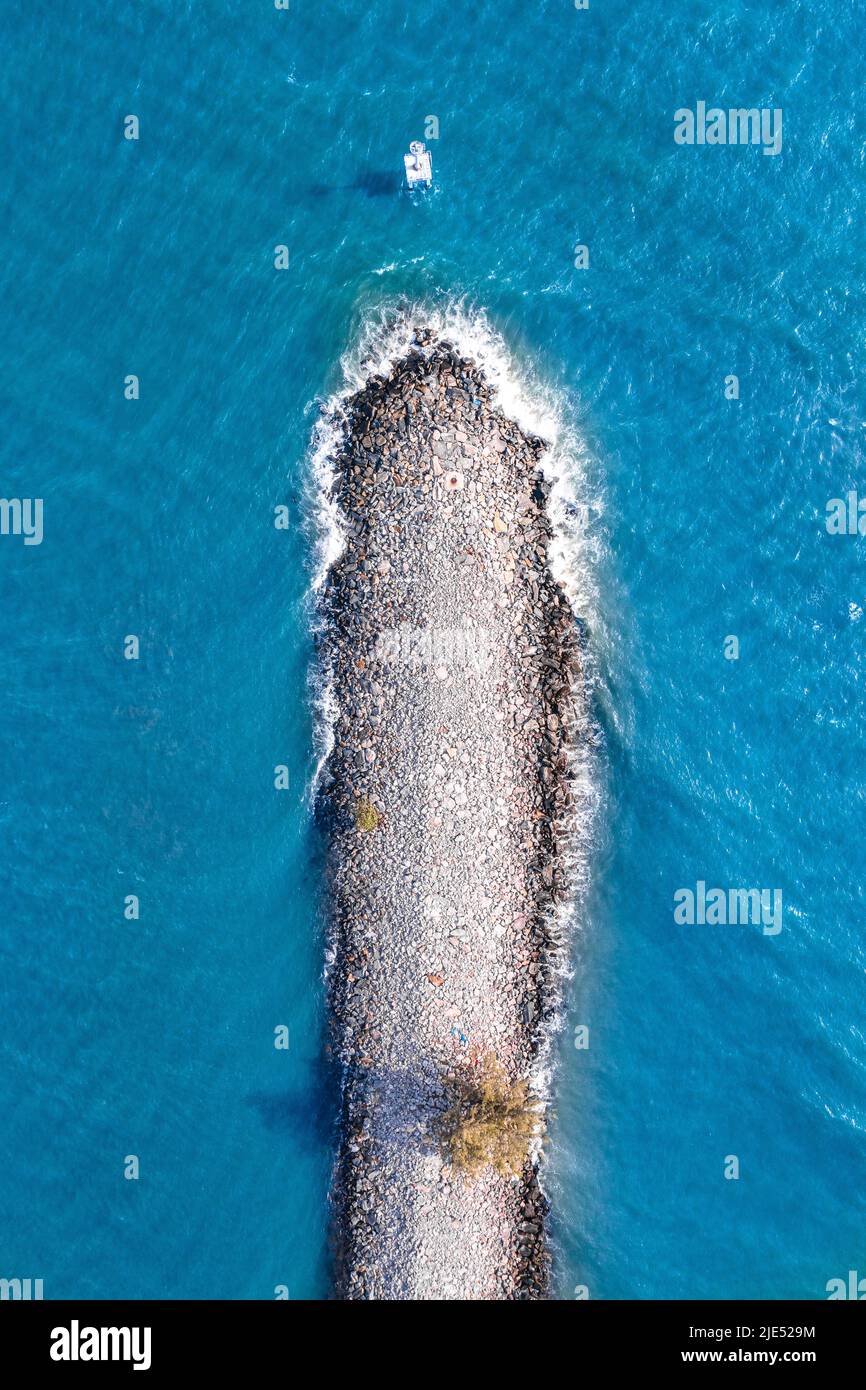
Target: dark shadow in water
(376, 183)
(309, 1110)
(307, 1113)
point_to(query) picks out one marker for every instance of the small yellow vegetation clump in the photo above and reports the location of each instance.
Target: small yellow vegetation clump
(367, 816)
(490, 1123)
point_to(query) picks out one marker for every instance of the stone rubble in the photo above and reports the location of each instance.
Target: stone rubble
(454, 660)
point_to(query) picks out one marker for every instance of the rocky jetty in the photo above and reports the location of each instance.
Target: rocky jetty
(453, 662)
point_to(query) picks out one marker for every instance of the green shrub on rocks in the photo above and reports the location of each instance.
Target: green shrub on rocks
(490, 1122)
(367, 816)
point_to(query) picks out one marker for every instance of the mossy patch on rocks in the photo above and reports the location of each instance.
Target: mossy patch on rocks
(367, 815)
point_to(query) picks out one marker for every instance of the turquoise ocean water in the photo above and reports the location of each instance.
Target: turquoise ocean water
(704, 519)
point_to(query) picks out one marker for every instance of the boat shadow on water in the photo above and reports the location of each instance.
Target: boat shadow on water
(376, 183)
(307, 1113)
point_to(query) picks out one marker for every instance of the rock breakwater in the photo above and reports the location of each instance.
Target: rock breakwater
(453, 661)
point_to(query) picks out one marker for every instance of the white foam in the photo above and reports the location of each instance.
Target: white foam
(328, 540)
(386, 336)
